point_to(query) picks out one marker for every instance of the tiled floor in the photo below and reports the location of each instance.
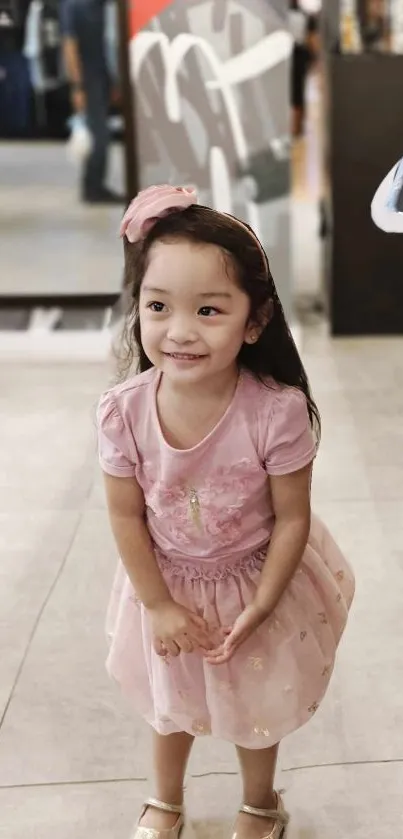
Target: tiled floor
(73, 760)
(66, 247)
(54, 246)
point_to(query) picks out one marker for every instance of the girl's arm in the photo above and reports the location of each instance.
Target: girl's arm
(175, 629)
(74, 74)
(292, 508)
(126, 508)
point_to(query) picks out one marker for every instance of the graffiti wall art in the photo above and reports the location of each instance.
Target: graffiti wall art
(210, 81)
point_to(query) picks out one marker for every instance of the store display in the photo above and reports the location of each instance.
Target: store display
(350, 30)
(32, 72)
(371, 26)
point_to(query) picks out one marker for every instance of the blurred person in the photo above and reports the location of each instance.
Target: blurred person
(93, 87)
(230, 599)
(376, 26)
(304, 30)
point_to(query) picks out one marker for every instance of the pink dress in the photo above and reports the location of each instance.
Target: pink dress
(210, 517)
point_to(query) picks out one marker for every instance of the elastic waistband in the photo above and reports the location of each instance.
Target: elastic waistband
(195, 568)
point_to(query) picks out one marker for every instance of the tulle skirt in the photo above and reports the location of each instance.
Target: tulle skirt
(275, 681)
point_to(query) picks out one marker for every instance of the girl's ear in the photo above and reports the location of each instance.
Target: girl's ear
(255, 328)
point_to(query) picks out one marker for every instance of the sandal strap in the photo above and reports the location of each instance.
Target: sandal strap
(279, 815)
(165, 808)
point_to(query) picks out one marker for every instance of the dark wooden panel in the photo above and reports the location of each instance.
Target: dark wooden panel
(365, 286)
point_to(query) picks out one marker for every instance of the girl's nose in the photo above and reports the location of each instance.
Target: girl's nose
(181, 331)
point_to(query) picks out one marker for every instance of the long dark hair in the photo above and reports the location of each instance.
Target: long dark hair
(274, 354)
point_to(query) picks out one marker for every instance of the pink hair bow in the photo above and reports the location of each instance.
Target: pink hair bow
(152, 204)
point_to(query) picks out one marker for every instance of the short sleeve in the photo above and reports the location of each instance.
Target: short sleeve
(117, 455)
(290, 443)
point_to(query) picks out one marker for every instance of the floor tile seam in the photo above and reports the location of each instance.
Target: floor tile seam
(196, 776)
(339, 764)
(38, 619)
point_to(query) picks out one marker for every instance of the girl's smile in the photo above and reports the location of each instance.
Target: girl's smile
(188, 358)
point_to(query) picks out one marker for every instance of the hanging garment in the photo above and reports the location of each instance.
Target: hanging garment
(15, 94)
(42, 46)
(112, 40)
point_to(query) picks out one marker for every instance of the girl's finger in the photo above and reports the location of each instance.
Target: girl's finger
(160, 648)
(200, 636)
(185, 644)
(172, 648)
(208, 636)
(215, 653)
(215, 628)
(221, 654)
(221, 658)
(226, 650)
(199, 622)
(202, 640)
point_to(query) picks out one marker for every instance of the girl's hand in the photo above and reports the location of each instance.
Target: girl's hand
(175, 629)
(251, 618)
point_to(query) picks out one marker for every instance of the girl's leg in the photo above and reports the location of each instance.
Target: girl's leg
(171, 755)
(258, 768)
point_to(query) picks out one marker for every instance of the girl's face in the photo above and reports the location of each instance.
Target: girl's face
(193, 316)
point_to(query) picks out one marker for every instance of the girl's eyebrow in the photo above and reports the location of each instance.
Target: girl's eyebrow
(154, 290)
(225, 294)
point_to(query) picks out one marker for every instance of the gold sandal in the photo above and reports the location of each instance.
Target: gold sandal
(151, 833)
(279, 815)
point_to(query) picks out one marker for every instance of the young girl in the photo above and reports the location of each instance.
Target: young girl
(229, 601)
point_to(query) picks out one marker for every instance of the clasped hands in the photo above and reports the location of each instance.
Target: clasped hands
(177, 630)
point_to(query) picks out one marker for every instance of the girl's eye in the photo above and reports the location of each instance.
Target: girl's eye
(207, 311)
(155, 306)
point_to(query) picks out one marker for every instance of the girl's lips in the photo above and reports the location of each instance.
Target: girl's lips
(184, 356)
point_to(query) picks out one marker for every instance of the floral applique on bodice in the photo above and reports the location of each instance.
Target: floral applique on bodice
(206, 507)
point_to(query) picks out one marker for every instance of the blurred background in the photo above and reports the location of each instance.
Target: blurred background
(289, 115)
(278, 114)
